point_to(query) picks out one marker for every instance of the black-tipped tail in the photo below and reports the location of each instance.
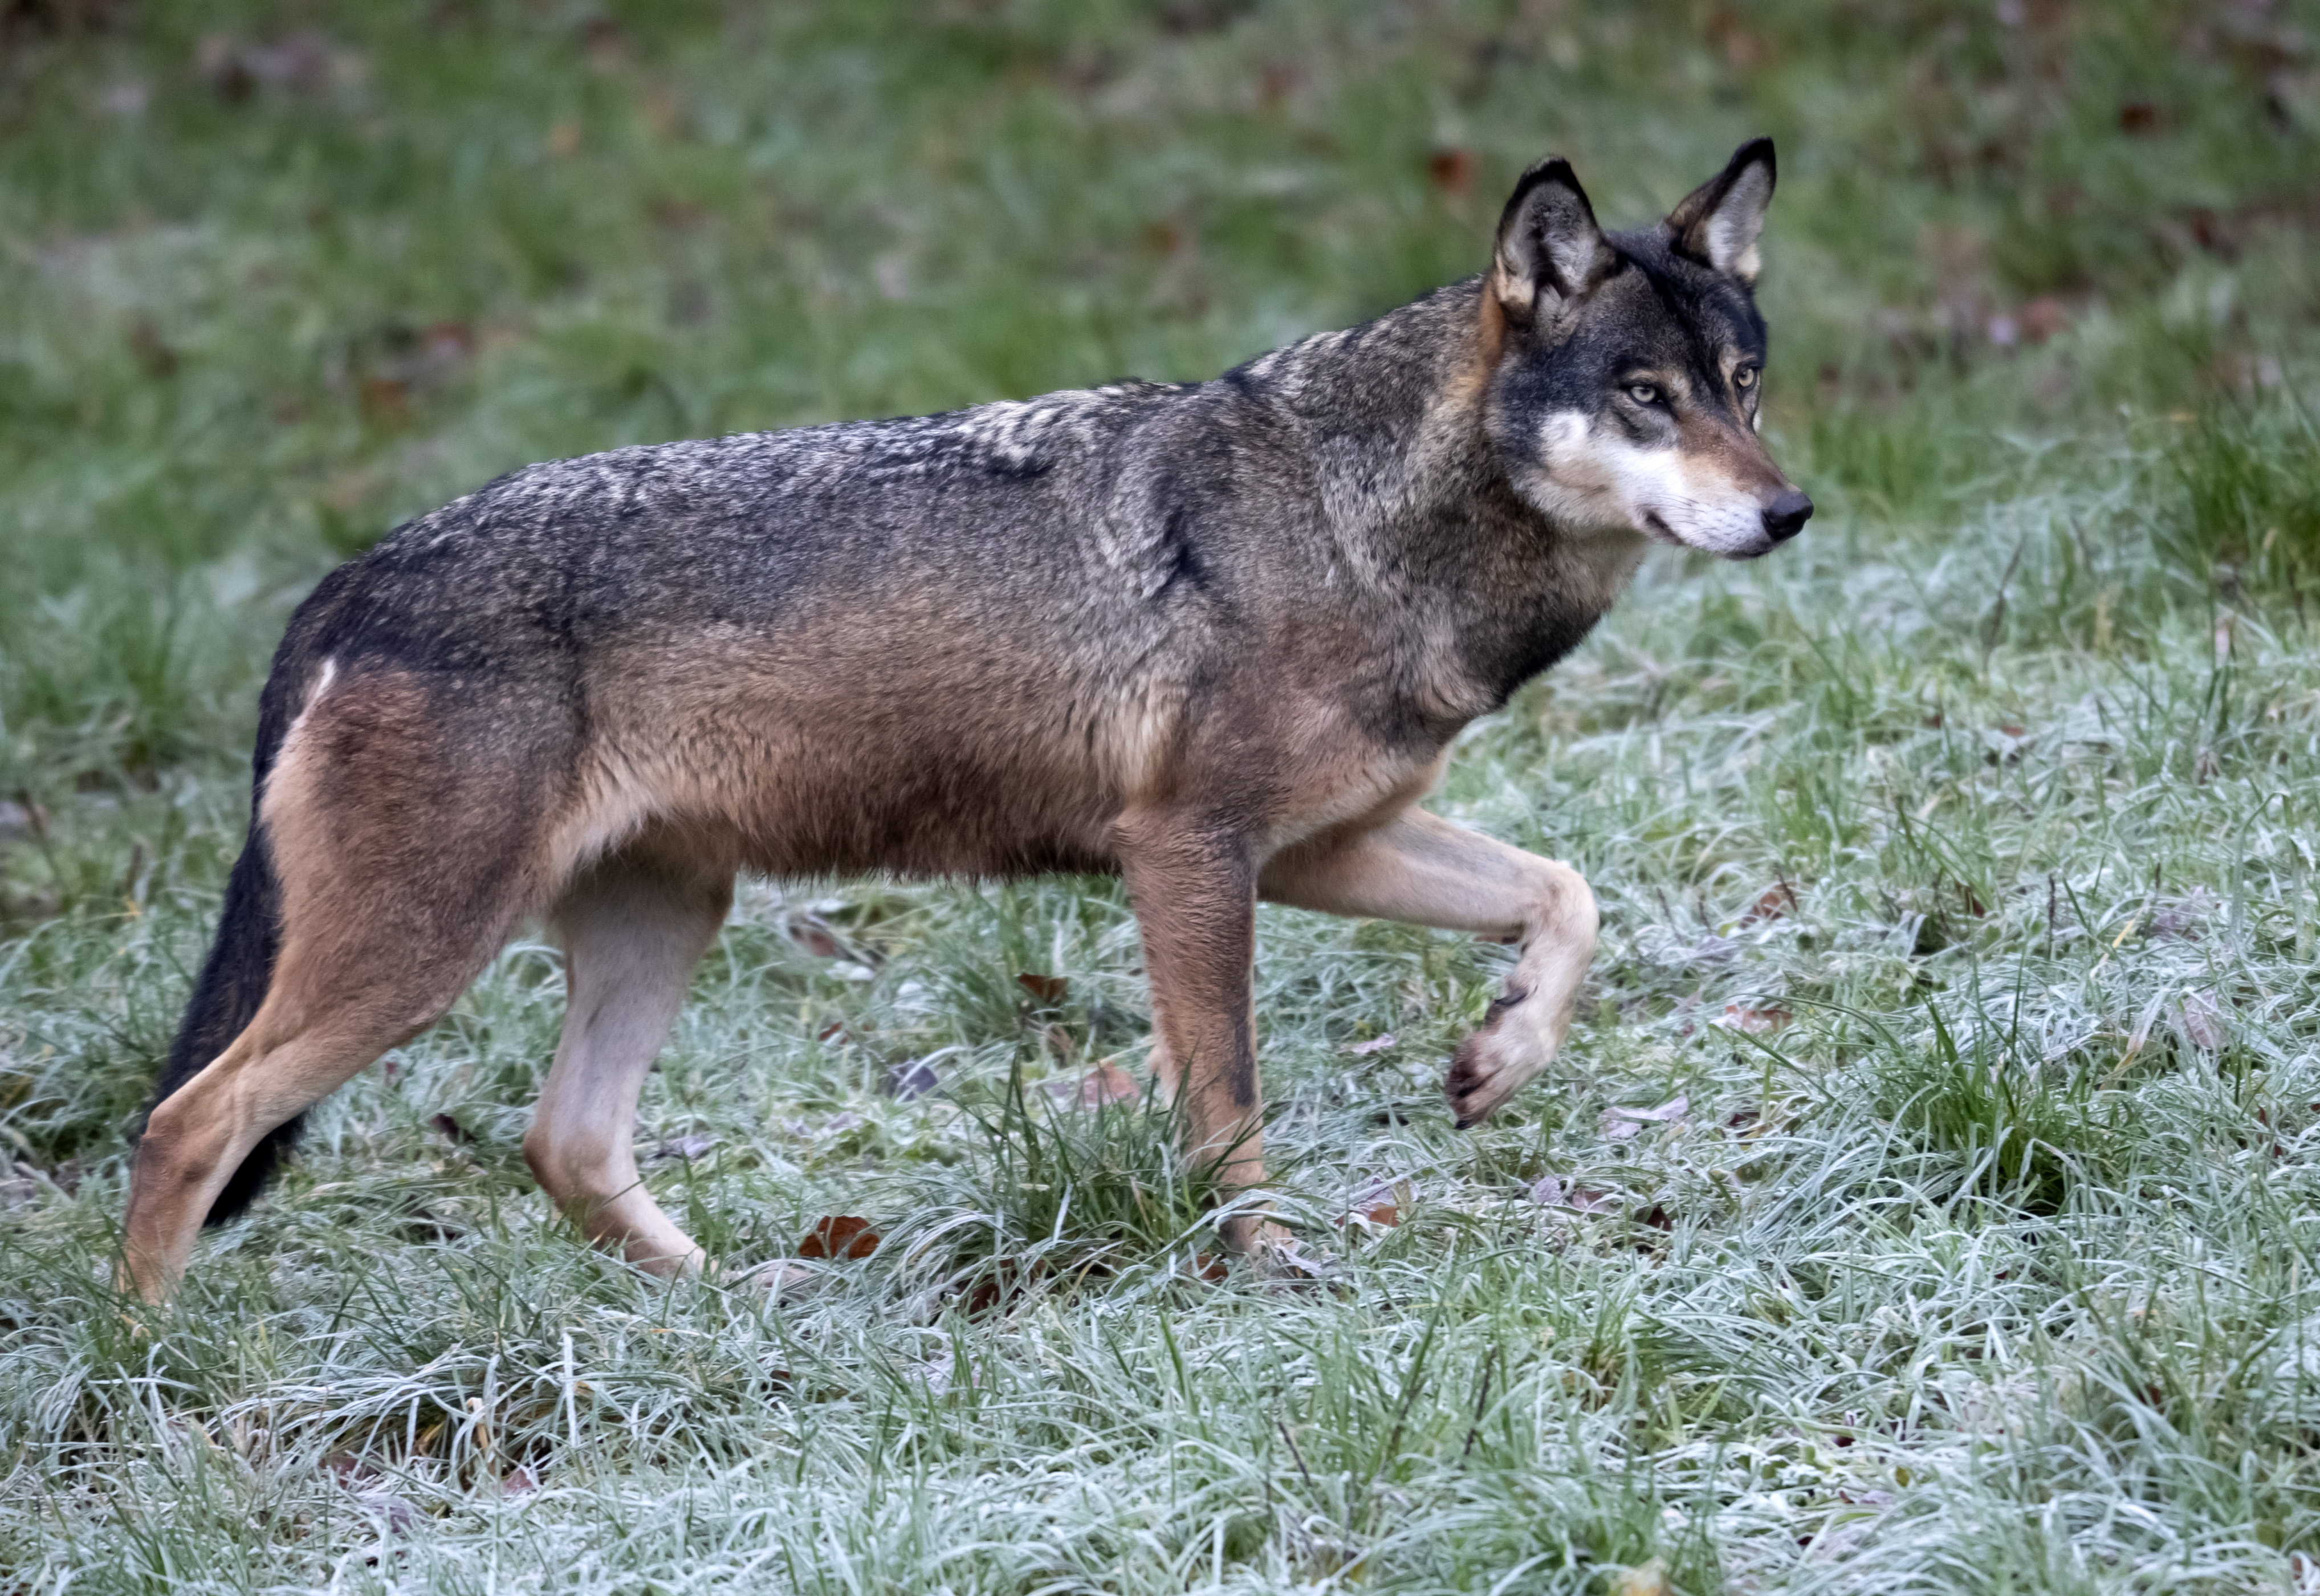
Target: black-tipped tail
(233, 983)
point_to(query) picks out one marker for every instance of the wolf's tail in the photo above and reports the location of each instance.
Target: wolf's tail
(240, 969)
(233, 983)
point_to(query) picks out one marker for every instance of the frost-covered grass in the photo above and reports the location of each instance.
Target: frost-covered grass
(1957, 862)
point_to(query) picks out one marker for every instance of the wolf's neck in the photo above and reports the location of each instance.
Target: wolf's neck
(1417, 505)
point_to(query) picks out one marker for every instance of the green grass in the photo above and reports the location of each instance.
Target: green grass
(1958, 864)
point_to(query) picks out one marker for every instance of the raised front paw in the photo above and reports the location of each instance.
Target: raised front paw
(1491, 1065)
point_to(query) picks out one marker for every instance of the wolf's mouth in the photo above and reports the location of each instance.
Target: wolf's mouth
(1660, 530)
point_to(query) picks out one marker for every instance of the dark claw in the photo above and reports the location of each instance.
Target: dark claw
(1460, 1082)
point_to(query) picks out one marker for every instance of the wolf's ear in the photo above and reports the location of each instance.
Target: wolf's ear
(1719, 222)
(1550, 252)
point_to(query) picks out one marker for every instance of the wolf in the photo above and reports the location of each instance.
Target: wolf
(1213, 638)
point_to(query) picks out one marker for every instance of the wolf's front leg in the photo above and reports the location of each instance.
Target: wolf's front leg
(1421, 869)
(1193, 883)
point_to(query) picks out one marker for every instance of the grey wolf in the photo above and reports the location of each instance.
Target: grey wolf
(1215, 638)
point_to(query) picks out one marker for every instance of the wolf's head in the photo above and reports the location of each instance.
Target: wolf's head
(1629, 363)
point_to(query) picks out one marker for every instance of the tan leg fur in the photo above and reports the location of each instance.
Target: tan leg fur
(1194, 889)
(633, 928)
(1421, 869)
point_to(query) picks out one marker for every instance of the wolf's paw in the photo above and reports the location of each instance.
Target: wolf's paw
(1491, 1065)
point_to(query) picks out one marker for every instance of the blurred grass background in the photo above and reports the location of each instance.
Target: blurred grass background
(1958, 864)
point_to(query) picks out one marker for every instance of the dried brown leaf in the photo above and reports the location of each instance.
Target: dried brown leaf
(1755, 1022)
(1049, 989)
(1775, 903)
(1451, 170)
(1621, 1123)
(839, 1236)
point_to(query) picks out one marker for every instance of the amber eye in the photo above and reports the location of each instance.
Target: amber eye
(1745, 378)
(1643, 393)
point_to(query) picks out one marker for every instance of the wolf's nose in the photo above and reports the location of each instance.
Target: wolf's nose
(1785, 516)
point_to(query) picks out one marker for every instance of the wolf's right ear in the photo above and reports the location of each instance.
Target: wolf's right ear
(1550, 252)
(1718, 222)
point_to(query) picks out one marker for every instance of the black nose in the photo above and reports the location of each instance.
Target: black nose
(1785, 516)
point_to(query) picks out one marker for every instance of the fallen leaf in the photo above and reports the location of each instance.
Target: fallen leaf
(1712, 950)
(909, 1079)
(519, 1480)
(1551, 1192)
(1165, 237)
(1105, 1083)
(451, 1128)
(839, 1236)
(1775, 903)
(2043, 318)
(154, 357)
(386, 401)
(607, 41)
(779, 1276)
(397, 1515)
(1209, 1267)
(1621, 1123)
(349, 1469)
(1755, 1022)
(2182, 917)
(687, 1147)
(1452, 170)
(1049, 989)
(813, 933)
(2201, 1020)
(1375, 1045)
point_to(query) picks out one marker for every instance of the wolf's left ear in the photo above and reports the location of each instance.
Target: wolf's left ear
(1550, 252)
(1719, 222)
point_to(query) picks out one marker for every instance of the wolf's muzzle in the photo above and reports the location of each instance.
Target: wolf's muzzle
(1785, 516)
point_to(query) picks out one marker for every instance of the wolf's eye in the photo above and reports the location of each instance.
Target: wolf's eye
(1745, 378)
(1643, 393)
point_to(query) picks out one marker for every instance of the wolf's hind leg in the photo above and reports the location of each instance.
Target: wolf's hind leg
(1421, 869)
(344, 993)
(633, 928)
